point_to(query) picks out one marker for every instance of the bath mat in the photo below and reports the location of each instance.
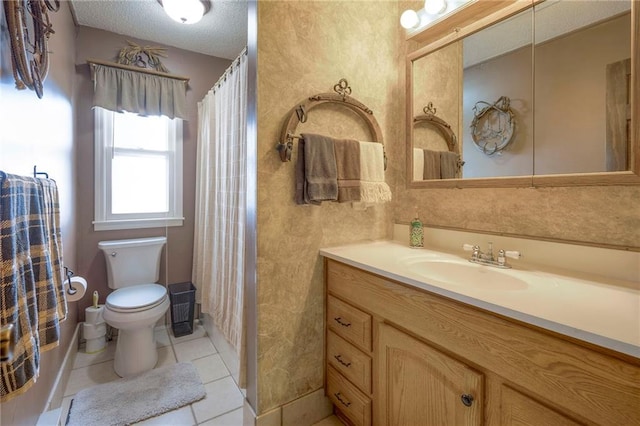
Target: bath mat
(132, 399)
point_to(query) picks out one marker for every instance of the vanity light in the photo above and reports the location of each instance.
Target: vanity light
(185, 11)
(409, 19)
(414, 18)
(432, 10)
(435, 7)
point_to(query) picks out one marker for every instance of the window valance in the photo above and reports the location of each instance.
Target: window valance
(123, 88)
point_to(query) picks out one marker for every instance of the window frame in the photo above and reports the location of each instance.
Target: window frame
(104, 219)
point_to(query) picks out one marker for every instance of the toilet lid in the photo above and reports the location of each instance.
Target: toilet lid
(136, 297)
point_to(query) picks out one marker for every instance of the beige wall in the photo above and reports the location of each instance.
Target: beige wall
(203, 71)
(304, 48)
(40, 132)
(436, 79)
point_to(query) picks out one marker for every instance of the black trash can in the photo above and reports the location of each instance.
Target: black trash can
(183, 300)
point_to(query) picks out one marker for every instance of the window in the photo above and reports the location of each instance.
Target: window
(138, 171)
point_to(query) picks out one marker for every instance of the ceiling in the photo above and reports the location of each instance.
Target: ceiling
(222, 32)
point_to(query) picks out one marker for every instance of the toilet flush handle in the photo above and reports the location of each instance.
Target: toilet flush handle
(114, 254)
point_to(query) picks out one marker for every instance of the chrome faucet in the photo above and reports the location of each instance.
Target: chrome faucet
(487, 258)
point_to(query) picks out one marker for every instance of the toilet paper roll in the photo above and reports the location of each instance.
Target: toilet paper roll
(94, 315)
(80, 285)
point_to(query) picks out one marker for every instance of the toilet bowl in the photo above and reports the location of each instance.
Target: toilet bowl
(137, 303)
(134, 311)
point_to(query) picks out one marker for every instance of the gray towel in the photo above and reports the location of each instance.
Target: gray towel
(317, 159)
(431, 164)
(348, 169)
(449, 164)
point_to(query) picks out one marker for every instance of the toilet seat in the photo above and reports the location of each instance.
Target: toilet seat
(136, 298)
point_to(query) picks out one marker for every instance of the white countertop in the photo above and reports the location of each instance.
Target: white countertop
(595, 309)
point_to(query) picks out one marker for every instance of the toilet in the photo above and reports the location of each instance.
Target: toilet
(133, 268)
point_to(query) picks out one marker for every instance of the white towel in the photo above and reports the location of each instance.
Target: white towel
(373, 188)
(418, 164)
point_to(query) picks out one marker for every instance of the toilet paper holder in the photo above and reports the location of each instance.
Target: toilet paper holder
(69, 273)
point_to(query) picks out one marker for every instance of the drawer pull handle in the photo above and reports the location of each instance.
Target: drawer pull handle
(342, 323)
(337, 395)
(339, 358)
(466, 399)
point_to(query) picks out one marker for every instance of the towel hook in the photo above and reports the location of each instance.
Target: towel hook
(36, 173)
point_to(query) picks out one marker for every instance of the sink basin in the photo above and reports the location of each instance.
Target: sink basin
(467, 274)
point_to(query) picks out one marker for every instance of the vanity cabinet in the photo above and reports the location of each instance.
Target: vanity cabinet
(348, 355)
(434, 360)
(422, 386)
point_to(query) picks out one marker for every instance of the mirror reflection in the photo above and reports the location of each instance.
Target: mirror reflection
(546, 91)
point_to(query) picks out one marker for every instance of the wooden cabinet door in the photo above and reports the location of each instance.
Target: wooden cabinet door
(418, 385)
(518, 409)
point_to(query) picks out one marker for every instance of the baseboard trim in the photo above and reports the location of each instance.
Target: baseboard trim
(57, 391)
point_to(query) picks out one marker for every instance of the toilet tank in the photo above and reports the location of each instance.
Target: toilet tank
(132, 262)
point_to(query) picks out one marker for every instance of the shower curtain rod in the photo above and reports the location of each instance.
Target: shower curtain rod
(229, 70)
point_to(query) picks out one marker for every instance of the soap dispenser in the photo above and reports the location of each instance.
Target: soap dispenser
(416, 233)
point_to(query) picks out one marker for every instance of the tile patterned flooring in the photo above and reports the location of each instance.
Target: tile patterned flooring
(221, 407)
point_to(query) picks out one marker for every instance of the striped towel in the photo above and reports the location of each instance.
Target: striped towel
(31, 288)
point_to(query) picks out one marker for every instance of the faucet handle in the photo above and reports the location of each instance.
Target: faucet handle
(468, 247)
(513, 254)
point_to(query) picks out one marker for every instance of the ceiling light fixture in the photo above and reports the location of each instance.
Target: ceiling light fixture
(185, 11)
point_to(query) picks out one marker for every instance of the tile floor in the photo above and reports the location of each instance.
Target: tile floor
(221, 407)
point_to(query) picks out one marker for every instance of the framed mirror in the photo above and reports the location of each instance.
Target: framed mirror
(537, 94)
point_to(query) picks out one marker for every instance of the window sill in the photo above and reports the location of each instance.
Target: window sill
(112, 225)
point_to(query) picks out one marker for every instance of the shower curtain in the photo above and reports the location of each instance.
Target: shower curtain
(218, 261)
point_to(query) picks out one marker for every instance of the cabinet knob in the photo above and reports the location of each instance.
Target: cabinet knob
(466, 399)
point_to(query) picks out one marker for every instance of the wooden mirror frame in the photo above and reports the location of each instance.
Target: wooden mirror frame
(474, 17)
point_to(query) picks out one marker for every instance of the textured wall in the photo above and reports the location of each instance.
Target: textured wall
(304, 48)
(203, 71)
(436, 80)
(40, 132)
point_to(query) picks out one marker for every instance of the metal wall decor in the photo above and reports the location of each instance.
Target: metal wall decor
(493, 125)
(29, 29)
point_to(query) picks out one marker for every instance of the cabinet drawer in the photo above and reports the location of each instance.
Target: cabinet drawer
(348, 399)
(349, 323)
(349, 361)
